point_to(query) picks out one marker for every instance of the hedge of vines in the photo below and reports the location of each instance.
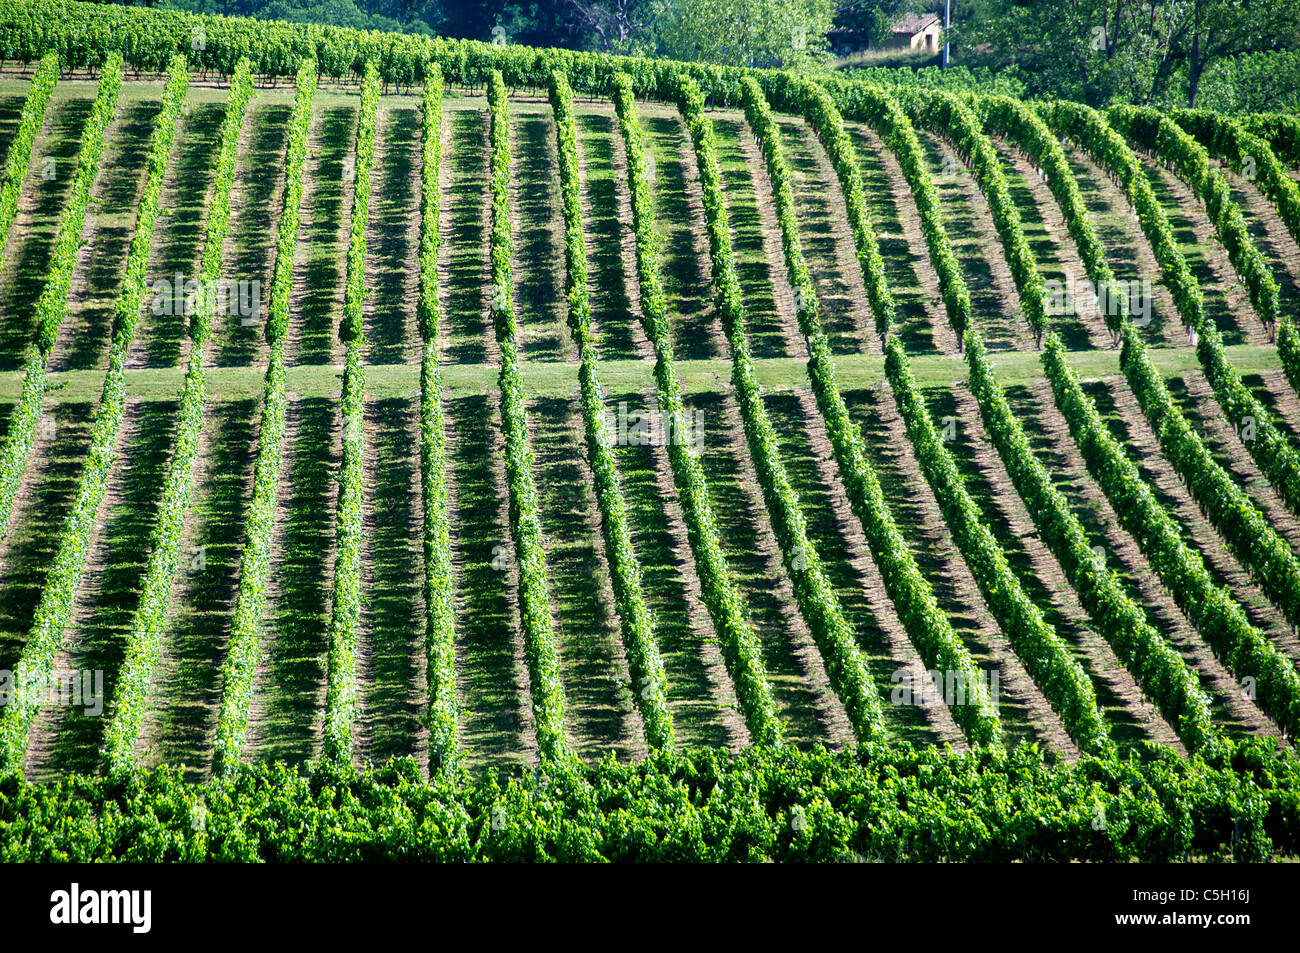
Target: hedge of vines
(20, 146)
(439, 586)
(926, 625)
(1280, 130)
(345, 609)
(148, 625)
(52, 304)
(1275, 456)
(888, 802)
(50, 619)
(255, 559)
(741, 651)
(636, 623)
(525, 523)
(814, 595)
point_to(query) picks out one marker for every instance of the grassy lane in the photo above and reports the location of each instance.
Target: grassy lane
(683, 242)
(467, 338)
(50, 485)
(1025, 715)
(66, 739)
(11, 110)
(31, 240)
(249, 252)
(289, 687)
(919, 320)
(86, 335)
(611, 244)
(178, 237)
(318, 272)
(186, 690)
(753, 230)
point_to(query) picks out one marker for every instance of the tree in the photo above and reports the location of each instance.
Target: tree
(772, 33)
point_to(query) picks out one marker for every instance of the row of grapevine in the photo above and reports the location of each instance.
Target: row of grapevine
(61, 582)
(1061, 678)
(20, 147)
(439, 594)
(814, 595)
(955, 121)
(741, 649)
(926, 625)
(52, 304)
(255, 558)
(1230, 509)
(144, 639)
(1280, 130)
(1168, 142)
(637, 627)
(345, 613)
(1160, 671)
(525, 523)
(1220, 619)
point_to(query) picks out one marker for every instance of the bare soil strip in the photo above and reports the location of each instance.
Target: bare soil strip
(610, 240)
(827, 240)
(537, 228)
(87, 331)
(809, 710)
(700, 693)
(326, 211)
(1226, 299)
(44, 498)
(249, 249)
(919, 317)
(1050, 437)
(1081, 327)
(393, 237)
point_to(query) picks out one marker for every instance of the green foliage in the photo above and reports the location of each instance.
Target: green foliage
(888, 802)
(776, 33)
(645, 666)
(20, 147)
(741, 650)
(439, 586)
(525, 523)
(52, 304)
(255, 558)
(148, 625)
(345, 612)
(1280, 130)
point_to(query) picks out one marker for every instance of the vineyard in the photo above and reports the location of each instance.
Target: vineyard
(528, 453)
